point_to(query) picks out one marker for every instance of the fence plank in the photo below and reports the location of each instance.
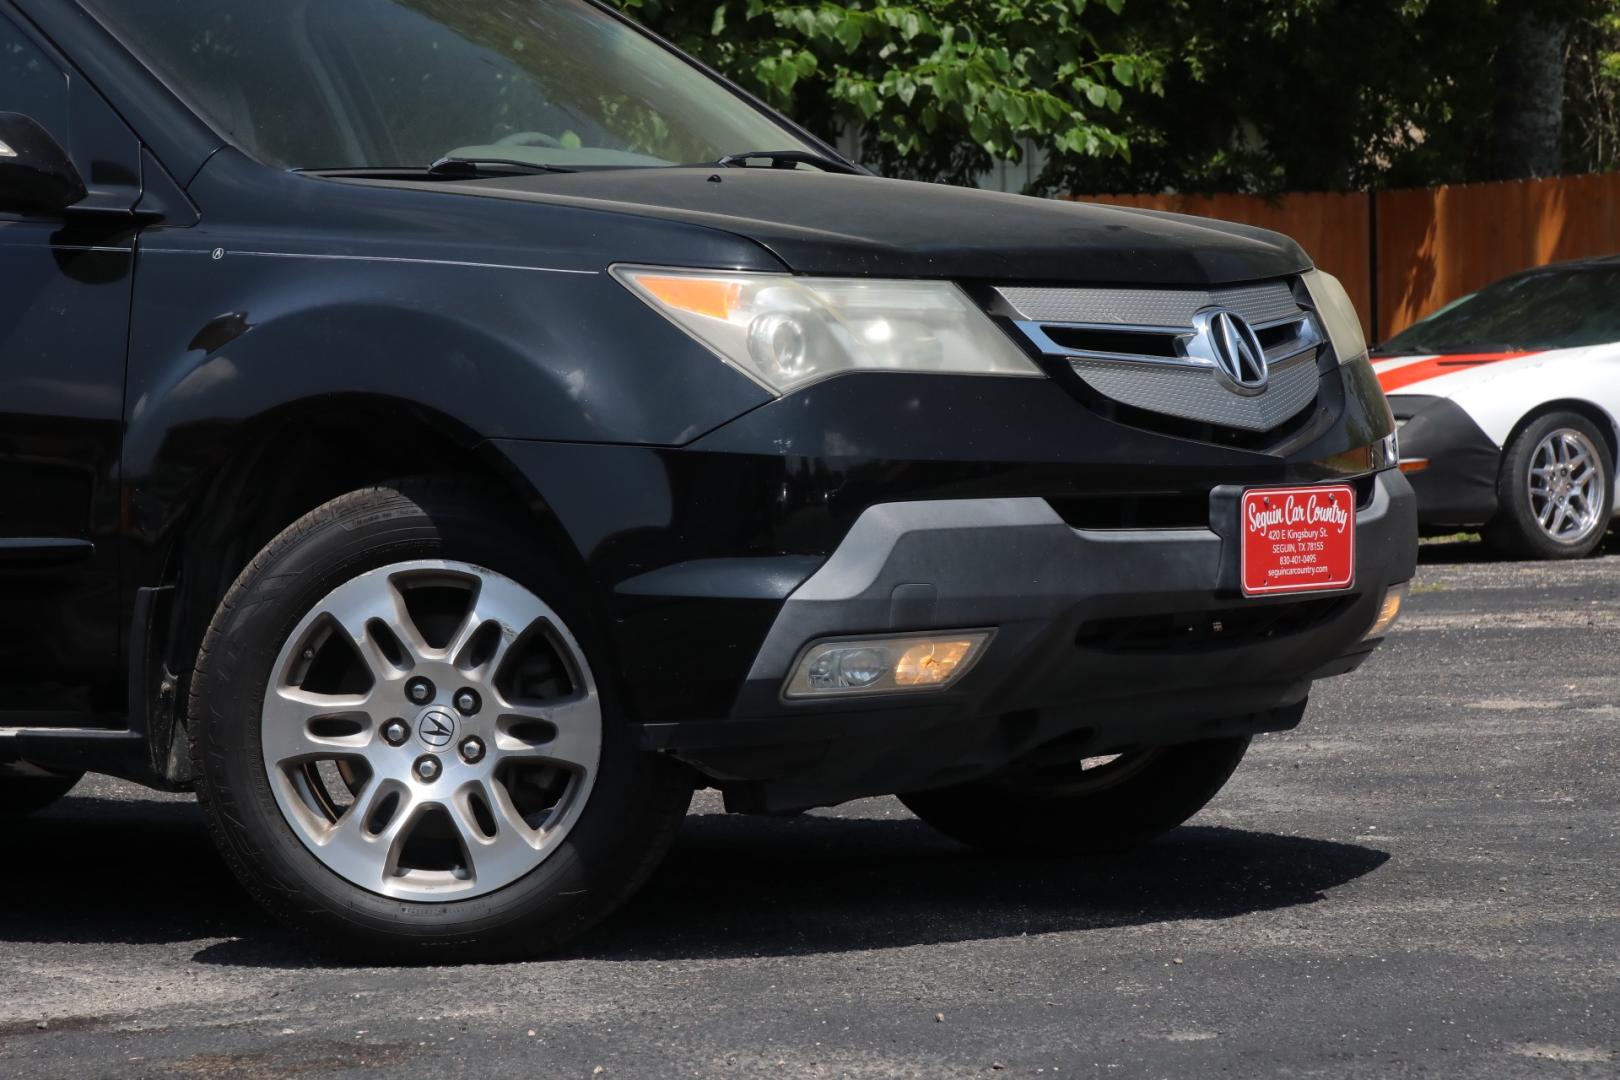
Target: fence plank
(1441, 243)
(1433, 244)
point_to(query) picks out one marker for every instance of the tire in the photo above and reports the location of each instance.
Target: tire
(23, 795)
(1074, 809)
(474, 862)
(1527, 496)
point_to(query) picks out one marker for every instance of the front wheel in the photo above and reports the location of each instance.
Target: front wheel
(1092, 805)
(1555, 491)
(23, 795)
(402, 746)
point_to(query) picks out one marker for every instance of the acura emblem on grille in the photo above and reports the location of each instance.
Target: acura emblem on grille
(1227, 340)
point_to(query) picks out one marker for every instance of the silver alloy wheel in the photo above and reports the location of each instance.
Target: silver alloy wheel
(1566, 486)
(455, 804)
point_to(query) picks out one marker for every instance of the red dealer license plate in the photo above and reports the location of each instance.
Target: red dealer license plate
(1298, 539)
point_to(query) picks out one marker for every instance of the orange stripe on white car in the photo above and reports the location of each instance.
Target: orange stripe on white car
(1398, 374)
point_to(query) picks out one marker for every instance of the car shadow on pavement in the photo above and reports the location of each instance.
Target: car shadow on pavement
(745, 887)
(733, 886)
(132, 871)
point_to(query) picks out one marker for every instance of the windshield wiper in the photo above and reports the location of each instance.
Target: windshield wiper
(1467, 348)
(787, 159)
(1452, 348)
(482, 166)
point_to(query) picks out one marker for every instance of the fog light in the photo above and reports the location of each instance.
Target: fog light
(1388, 611)
(912, 662)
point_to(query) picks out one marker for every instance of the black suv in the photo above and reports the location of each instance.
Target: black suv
(444, 433)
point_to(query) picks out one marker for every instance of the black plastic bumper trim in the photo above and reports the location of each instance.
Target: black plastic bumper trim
(1459, 486)
(1015, 565)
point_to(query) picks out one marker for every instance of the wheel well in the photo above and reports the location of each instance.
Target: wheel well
(288, 467)
(1600, 419)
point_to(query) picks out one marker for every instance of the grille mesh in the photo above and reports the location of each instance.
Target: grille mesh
(1194, 394)
(1268, 302)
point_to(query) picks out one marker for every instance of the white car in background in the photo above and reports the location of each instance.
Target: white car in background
(1506, 401)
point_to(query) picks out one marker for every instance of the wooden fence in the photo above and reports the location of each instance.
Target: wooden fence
(1402, 254)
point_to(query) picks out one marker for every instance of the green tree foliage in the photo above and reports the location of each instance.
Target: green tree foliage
(1273, 95)
(938, 89)
(1592, 122)
(1189, 95)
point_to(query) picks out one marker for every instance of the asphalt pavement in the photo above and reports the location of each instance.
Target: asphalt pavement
(1424, 879)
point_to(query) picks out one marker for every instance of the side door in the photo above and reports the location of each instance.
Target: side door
(64, 322)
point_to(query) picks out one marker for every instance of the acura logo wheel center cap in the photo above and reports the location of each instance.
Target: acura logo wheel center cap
(436, 727)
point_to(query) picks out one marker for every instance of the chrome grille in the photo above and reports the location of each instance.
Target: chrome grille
(1131, 346)
(1264, 303)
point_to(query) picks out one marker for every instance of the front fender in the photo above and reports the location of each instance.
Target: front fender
(510, 352)
(221, 346)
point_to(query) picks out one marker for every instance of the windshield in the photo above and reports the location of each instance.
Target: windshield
(1546, 309)
(321, 84)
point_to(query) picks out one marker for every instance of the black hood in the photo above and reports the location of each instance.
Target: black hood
(819, 223)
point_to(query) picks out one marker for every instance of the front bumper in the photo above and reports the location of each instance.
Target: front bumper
(1104, 639)
(1457, 488)
(1098, 547)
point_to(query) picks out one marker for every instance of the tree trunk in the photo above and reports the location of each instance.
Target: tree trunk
(1529, 118)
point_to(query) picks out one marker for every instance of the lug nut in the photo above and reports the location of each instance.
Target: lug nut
(467, 701)
(395, 732)
(428, 769)
(472, 750)
(419, 690)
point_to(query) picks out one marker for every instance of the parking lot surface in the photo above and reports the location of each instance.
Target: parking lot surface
(1424, 879)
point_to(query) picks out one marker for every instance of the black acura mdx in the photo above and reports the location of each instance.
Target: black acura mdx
(445, 433)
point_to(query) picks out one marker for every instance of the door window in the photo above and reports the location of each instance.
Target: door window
(31, 83)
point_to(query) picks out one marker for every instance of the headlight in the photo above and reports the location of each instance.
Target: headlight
(785, 332)
(1338, 314)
